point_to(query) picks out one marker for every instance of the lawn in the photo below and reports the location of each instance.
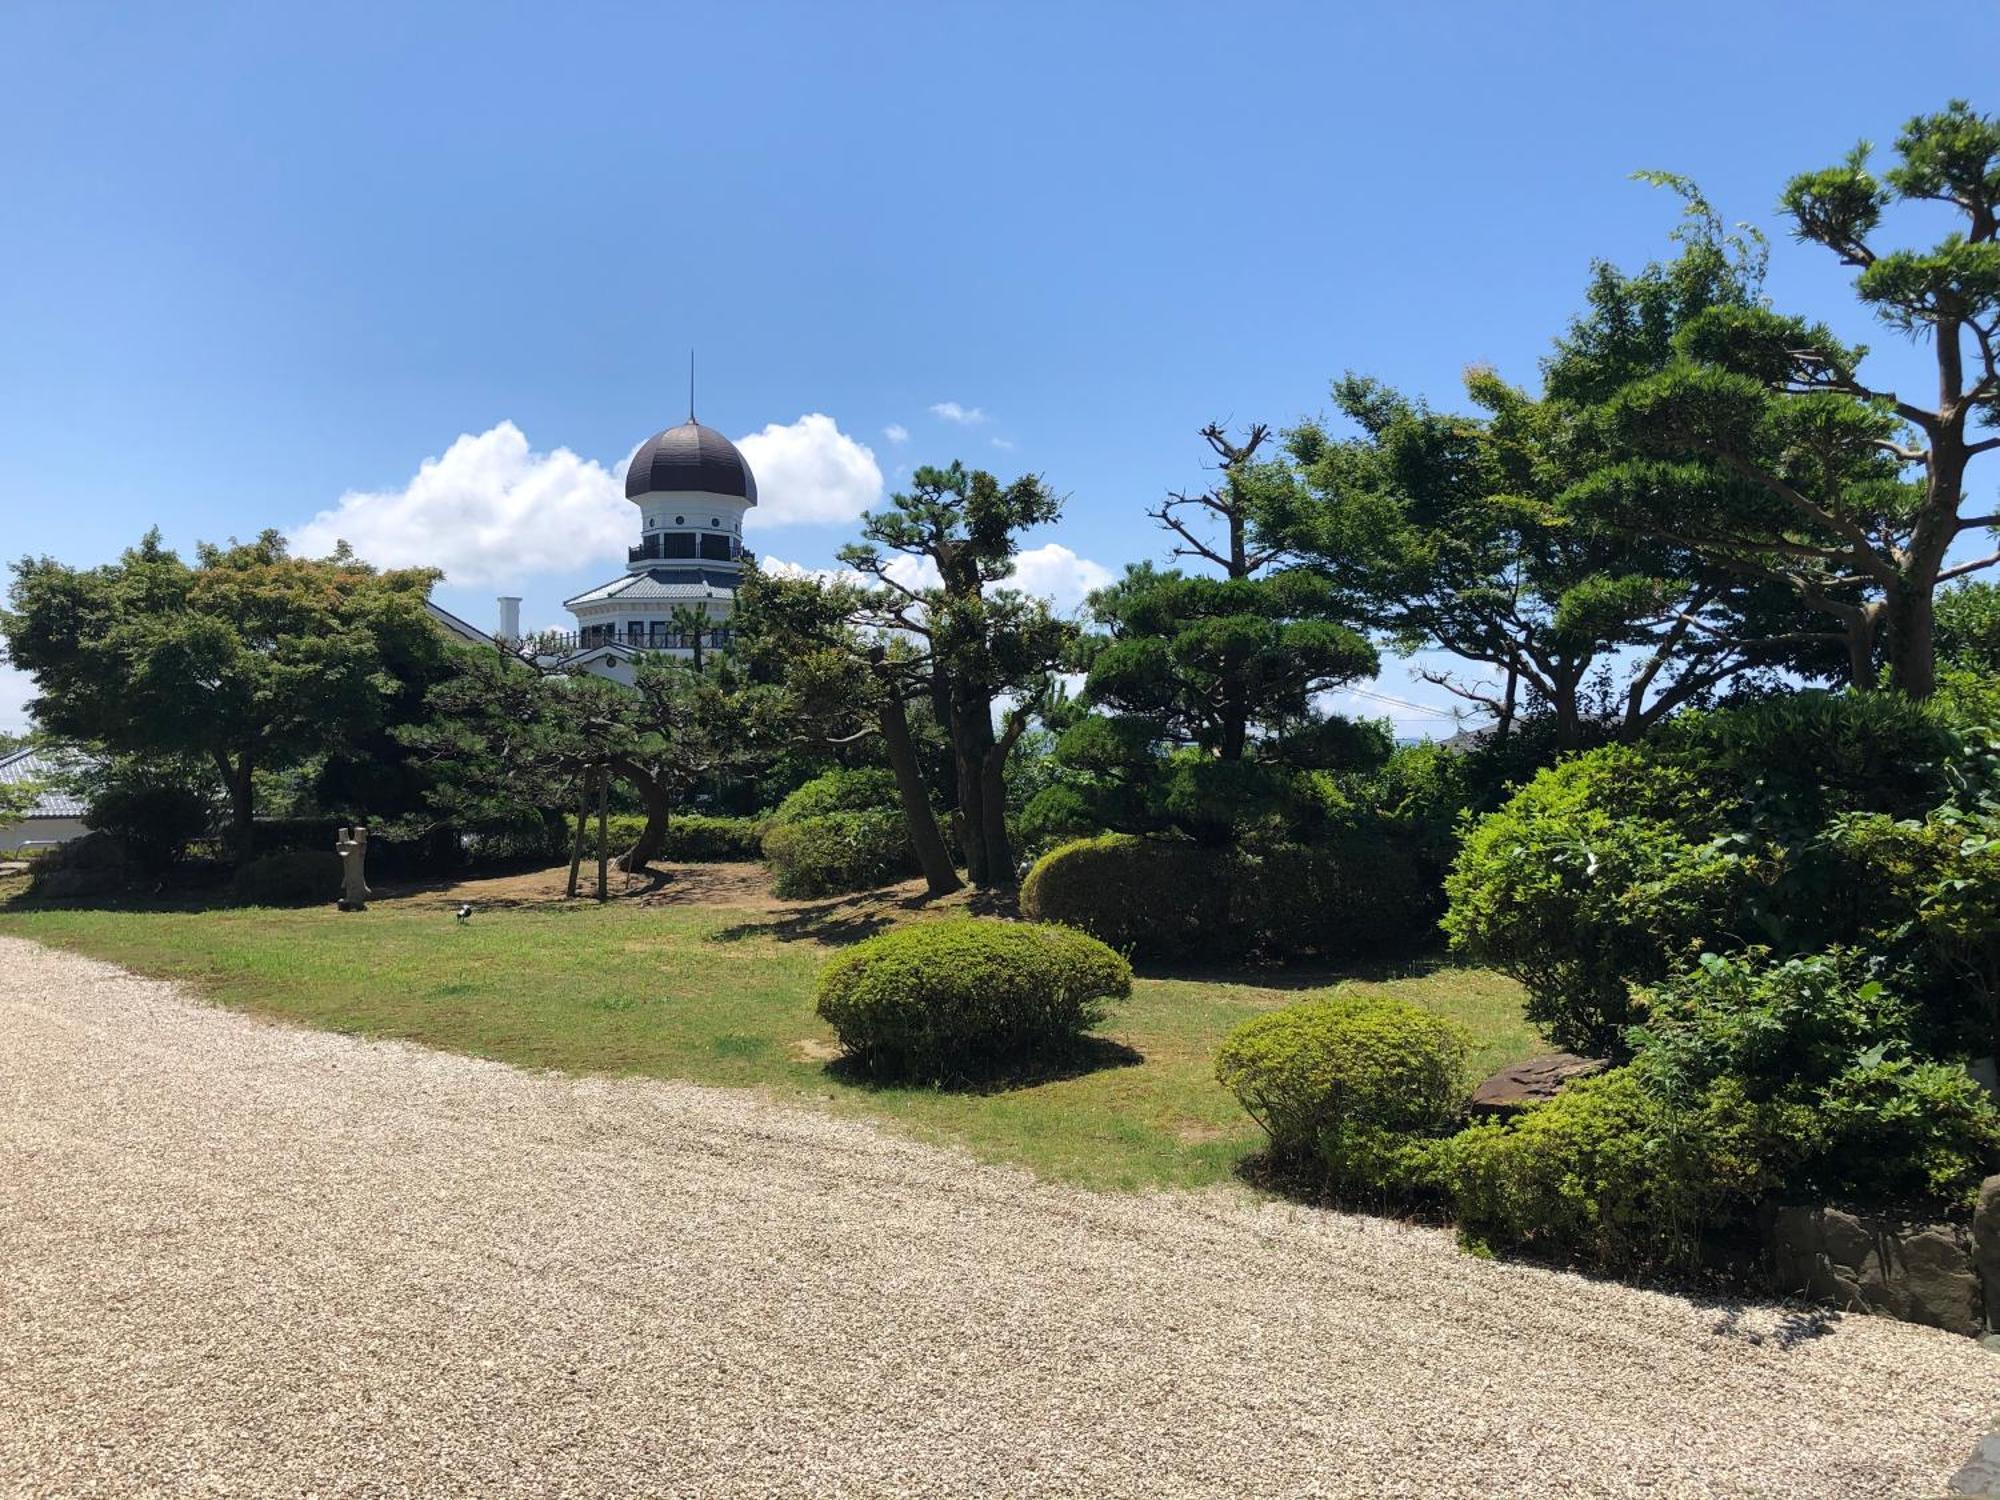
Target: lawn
(724, 996)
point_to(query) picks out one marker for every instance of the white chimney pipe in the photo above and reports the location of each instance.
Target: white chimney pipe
(510, 617)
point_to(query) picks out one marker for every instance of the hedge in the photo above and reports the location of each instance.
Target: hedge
(956, 998)
(1162, 899)
(1344, 1079)
(291, 877)
(838, 852)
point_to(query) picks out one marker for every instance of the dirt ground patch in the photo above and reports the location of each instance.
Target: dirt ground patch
(734, 887)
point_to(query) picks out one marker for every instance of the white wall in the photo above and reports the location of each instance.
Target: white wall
(34, 831)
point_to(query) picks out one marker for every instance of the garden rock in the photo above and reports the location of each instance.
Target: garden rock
(1920, 1273)
(1986, 1245)
(1514, 1088)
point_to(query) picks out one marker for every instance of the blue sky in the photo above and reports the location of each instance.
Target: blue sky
(255, 259)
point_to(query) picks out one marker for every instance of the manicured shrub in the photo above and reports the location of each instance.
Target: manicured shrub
(1606, 1175)
(1148, 898)
(156, 817)
(290, 877)
(699, 838)
(1617, 867)
(98, 864)
(958, 998)
(1345, 1081)
(692, 838)
(838, 852)
(842, 790)
(1170, 900)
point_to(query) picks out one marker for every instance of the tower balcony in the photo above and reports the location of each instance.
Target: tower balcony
(683, 546)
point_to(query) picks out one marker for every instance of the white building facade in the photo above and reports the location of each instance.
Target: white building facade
(693, 489)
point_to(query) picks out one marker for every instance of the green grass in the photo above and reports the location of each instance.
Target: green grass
(725, 997)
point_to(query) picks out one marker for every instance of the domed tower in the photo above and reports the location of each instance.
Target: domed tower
(693, 487)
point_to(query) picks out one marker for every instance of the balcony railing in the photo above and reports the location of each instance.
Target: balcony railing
(686, 546)
(637, 636)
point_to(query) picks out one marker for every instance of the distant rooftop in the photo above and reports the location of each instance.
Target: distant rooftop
(32, 765)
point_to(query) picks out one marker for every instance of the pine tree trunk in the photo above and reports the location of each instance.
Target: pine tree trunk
(659, 815)
(999, 848)
(603, 835)
(576, 844)
(241, 780)
(933, 858)
(1912, 643)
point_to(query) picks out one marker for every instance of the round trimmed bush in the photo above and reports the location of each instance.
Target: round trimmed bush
(965, 996)
(1168, 900)
(838, 852)
(1606, 1174)
(1149, 898)
(1343, 1078)
(290, 877)
(841, 790)
(98, 864)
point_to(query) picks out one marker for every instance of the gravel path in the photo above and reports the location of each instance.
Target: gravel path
(241, 1258)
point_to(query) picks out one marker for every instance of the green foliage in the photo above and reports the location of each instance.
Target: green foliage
(1832, 1058)
(959, 998)
(1764, 448)
(1752, 1082)
(838, 852)
(691, 838)
(98, 864)
(841, 790)
(1968, 626)
(1203, 660)
(1606, 1174)
(1599, 872)
(1168, 900)
(700, 838)
(1805, 823)
(155, 808)
(290, 877)
(842, 831)
(1343, 1078)
(248, 659)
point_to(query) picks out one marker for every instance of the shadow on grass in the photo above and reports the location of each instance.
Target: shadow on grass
(1090, 1054)
(1302, 976)
(842, 920)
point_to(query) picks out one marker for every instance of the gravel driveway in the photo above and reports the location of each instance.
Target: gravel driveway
(242, 1258)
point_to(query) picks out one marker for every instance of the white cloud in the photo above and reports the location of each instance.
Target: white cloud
(1005, 444)
(910, 572)
(896, 432)
(777, 567)
(490, 510)
(1051, 571)
(809, 471)
(1057, 574)
(965, 416)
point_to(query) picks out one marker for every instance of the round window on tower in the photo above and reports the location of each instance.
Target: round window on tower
(680, 520)
(715, 520)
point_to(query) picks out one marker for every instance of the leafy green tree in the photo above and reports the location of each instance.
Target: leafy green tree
(1968, 626)
(845, 682)
(1205, 692)
(977, 642)
(1446, 528)
(1764, 448)
(504, 740)
(248, 658)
